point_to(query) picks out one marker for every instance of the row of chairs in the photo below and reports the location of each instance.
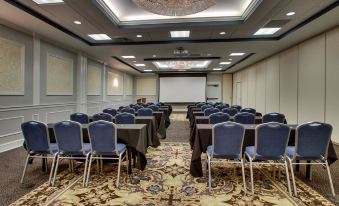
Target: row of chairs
(70, 145)
(245, 118)
(229, 110)
(271, 140)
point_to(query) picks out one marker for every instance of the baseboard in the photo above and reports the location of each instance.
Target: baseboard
(11, 145)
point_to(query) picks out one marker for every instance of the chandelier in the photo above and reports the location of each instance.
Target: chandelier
(175, 7)
(182, 64)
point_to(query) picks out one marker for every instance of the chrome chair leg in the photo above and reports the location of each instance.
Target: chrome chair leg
(89, 169)
(56, 170)
(288, 178)
(330, 178)
(118, 177)
(209, 175)
(52, 169)
(293, 178)
(243, 175)
(251, 173)
(25, 168)
(85, 170)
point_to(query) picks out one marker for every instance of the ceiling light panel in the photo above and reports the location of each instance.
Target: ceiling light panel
(128, 57)
(147, 70)
(140, 65)
(182, 64)
(217, 69)
(99, 37)
(237, 54)
(180, 34)
(225, 63)
(48, 1)
(267, 31)
(290, 13)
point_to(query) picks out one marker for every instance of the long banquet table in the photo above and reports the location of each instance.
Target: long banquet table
(203, 138)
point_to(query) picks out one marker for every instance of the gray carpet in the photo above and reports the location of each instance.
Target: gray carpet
(12, 165)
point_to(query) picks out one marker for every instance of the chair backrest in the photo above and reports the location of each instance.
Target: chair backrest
(110, 111)
(125, 118)
(218, 118)
(271, 140)
(103, 116)
(68, 135)
(36, 137)
(227, 140)
(145, 112)
(249, 110)
(80, 117)
(312, 140)
(206, 106)
(121, 107)
(210, 111)
(137, 107)
(273, 117)
(103, 138)
(128, 110)
(220, 107)
(244, 118)
(153, 107)
(238, 107)
(199, 105)
(230, 111)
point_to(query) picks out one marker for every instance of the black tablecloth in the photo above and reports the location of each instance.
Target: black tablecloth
(203, 138)
(133, 135)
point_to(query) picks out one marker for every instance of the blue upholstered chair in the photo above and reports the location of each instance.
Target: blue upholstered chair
(137, 107)
(238, 107)
(128, 110)
(125, 118)
(218, 117)
(221, 107)
(312, 141)
(103, 116)
(68, 135)
(80, 117)
(110, 111)
(199, 105)
(38, 144)
(227, 141)
(273, 117)
(203, 108)
(154, 108)
(230, 111)
(121, 107)
(248, 110)
(244, 118)
(104, 145)
(270, 145)
(145, 112)
(210, 111)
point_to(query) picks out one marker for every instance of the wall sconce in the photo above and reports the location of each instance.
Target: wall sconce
(115, 83)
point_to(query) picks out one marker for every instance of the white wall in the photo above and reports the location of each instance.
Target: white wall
(300, 82)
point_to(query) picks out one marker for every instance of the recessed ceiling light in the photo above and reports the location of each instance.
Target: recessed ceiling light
(48, 1)
(222, 33)
(267, 31)
(209, 54)
(134, 61)
(140, 65)
(290, 13)
(217, 69)
(139, 36)
(223, 63)
(180, 34)
(128, 57)
(77, 22)
(147, 70)
(154, 55)
(99, 37)
(237, 54)
(230, 59)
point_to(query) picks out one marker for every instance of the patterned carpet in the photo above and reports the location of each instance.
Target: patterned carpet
(166, 181)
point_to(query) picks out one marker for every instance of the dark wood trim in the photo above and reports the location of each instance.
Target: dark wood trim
(238, 62)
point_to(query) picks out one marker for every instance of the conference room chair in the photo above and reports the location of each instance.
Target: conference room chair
(227, 105)
(273, 117)
(68, 135)
(80, 117)
(104, 145)
(269, 148)
(227, 141)
(38, 145)
(238, 107)
(121, 107)
(211, 110)
(137, 107)
(218, 118)
(110, 111)
(311, 144)
(230, 111)
(125, 118)
(206, 106)
(128, 110)
(248, 110)
(244, 118)
(145, 112)
(154, 108)
(221, 107)
(103, 116)
(199, 105)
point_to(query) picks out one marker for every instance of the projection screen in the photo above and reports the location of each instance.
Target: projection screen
(182, 89)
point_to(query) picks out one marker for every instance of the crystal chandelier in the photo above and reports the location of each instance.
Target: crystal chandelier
(175, 7)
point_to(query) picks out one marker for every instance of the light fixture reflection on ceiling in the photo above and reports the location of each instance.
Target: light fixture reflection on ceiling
(217, 69)
(77, 22)
(182, 64)
(237, 54)
(147, 70)
(99, 37)
(175, 7)
(128, 57)
(140, 65)
(290, 13)
(180, 34)
(267, 31)
(224, 63)
(48, 1)
(222, 33)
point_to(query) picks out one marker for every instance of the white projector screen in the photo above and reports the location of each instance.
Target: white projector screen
(182, 89)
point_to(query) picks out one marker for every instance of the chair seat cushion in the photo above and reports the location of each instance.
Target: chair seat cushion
(54, 148)
(290, 152)
(249, 151)
(221, 156)
(120, 147)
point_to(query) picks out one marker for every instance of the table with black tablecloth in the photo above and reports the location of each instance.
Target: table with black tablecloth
(160, 123)
(133, 135)
(203, 138)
